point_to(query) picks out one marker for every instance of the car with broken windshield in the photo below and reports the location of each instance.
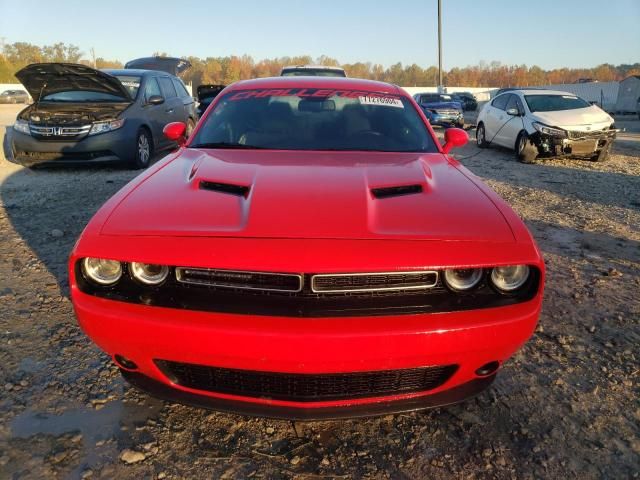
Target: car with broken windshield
(311, 251)
(81, 114)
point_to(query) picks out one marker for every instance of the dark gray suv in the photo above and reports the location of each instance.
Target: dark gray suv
(81, 114)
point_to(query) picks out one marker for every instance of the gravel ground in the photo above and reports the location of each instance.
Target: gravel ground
(566, 406)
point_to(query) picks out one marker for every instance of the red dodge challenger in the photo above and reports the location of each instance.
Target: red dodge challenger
(311, 251)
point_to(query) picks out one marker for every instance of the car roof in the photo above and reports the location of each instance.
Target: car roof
(318, 82)
(313, 67)
(539, 91)
(134, 72)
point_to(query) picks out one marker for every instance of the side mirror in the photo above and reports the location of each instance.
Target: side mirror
(454, 137)
(155, 100)
(175, 131)
(513, 112)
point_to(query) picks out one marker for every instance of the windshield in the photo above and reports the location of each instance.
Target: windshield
(552, 103)
(81, 96)
(314, 119)
(435, 98)
(131, 83)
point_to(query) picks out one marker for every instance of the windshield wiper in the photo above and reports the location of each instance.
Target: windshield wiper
(224, 145)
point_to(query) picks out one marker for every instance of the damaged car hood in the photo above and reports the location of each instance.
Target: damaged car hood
(590, 118)
(41, 79)
(294, 194)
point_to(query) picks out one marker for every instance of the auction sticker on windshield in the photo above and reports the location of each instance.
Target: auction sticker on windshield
(382, 101)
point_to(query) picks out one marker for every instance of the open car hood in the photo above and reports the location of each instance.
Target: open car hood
(42, 79)
(208, 92)
(171, 65)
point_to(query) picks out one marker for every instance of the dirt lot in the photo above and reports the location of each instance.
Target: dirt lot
(566, 406)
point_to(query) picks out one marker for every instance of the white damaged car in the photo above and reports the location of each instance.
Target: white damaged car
(545, 123)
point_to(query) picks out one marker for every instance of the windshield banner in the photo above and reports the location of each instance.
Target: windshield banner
(383, 98)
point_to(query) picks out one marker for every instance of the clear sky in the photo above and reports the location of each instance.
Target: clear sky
(549, 33)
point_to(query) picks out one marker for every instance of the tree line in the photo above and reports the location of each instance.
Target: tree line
(228, 69)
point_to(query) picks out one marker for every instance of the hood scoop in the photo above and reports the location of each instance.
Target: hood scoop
(396, 191)
(228, 188)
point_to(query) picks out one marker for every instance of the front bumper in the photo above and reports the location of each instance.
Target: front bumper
(289, 345)
(118, 145)
(447, 397)
(445, 120)
(580, 146)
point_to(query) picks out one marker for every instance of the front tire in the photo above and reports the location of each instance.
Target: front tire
(144, 149)
(481, 139)
(526, 152)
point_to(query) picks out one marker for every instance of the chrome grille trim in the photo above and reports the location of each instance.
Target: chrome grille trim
(59, 131)
(446, 112)
(592, 134)
(423, 286)
(186, 275)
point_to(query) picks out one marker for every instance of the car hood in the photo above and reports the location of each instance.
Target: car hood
(442, 105)
(286, 194)
(42, 79)
(171, 65)
(590, 118)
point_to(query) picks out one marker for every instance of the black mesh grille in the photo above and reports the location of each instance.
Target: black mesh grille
(306, 387)
(243, 280)
(373, 281)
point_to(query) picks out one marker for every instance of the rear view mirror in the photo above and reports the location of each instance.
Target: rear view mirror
(155, 100)
(454, 137)
(513, 111)
(316, 106)
(175, 131)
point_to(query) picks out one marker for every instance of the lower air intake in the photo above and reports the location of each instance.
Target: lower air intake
(306, 387)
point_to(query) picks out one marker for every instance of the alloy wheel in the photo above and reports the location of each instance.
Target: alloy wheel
(143, 149)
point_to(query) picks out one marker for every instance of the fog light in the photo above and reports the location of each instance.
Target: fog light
(488, 368)
(124, 362)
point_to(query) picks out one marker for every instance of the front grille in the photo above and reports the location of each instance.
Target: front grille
(280, 282)
(446, 112)
(63, 156)
(281, 295)
(306, 387)
(577, 134)
(373, 282)
(56, 133)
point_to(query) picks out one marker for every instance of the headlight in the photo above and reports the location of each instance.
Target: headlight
(462, 279)
(102, 127)
(22, 126)
(101, 270)
(509, 278)
(554, 132)
(148, 273)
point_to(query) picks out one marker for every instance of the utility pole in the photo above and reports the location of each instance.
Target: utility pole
(93, 56)
(439, 45)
